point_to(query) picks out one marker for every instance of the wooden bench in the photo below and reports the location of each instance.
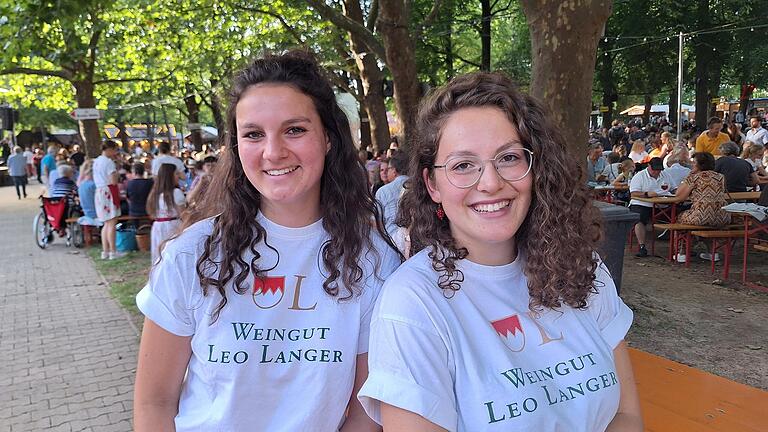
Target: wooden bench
(679, 398)
(728, 237)
(675, 230)
(761, 247)
(89, 231)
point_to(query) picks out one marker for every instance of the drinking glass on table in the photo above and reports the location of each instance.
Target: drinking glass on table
(665, 187)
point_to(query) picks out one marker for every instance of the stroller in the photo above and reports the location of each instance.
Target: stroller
(52, 219)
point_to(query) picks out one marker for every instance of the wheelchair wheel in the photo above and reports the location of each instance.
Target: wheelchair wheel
(76, 233)
(43, 231)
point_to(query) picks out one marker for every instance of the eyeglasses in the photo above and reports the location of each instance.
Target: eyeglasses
(465, 171)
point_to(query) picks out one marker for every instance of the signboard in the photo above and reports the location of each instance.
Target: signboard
(603, 108)
(193, 126)
(85, 114)
(715, 100)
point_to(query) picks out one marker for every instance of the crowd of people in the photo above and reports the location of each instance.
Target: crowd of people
(699, 168)
(133, 183)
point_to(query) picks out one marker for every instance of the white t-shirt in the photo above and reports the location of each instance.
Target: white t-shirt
(643, 182)
(280, 357)
(103, 167)
(162, 211)
(481, 361)
(29, 156)
(676, 173)
(612, 171)
(166, 159)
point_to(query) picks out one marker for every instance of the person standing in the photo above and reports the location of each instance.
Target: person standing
(107, 198)
(757, 134)
(711, 140)
(17, 169)
(48, 164)
(77, 157)
(504, 282)
(164, 203)
(389, 194)
(29, 156)
(164, 157)
(284, 253)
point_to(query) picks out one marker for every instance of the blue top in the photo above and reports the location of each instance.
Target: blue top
(389, 197)
(48, 161)
(17, 165)
(87, 197)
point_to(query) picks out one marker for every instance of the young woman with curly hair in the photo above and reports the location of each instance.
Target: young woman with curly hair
(258, 312)
(504, 319)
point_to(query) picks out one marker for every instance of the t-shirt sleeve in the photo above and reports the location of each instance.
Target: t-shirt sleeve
(636, 184)
(613, 316)
(178, 197)
(409, 364)
(165, 299)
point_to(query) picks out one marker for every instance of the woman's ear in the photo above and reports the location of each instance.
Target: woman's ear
(431, 188)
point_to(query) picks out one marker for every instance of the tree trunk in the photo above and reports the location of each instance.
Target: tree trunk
(564, 38)
(218, 116)
(372, 80)
(485, 35)
(365, 123)
(605, 75)
(193, 116)
(89, 129)
(648, 101)
(673, 116)
(401, 59)
(715, 75)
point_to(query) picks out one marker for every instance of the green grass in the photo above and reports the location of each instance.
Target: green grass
(126, 276)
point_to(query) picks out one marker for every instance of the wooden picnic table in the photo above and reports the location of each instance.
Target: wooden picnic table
(747, 196)
(604, 192)
(676, 397)
(752, 228)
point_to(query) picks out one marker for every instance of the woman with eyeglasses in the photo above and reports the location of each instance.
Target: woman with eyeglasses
(505, 318)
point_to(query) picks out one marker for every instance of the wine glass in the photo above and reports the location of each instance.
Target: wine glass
(665, 187)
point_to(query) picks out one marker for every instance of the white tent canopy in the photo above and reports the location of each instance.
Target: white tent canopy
(655, 109)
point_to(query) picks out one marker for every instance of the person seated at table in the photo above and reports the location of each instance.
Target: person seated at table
(705, 188)
(137, 190)
(621, 149)
(656, 149)
(753, 153)
(677, 166)
(595, 163)
(621, 182)
(648, 183)
(739, 174)
(638, 153)
(612, 168)
(63, 185)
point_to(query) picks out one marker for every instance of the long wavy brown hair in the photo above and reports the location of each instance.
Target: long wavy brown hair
(162, 187)
(562, 229)
(348, 208)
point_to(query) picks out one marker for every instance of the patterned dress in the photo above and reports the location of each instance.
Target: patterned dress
(708, 196)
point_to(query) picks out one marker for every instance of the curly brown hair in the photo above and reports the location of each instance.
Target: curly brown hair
(346, 204)
(562, 228)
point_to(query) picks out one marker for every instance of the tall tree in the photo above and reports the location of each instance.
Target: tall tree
(68, 40)
(563, 52)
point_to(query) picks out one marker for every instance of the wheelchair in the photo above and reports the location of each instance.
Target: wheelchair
(52, 221)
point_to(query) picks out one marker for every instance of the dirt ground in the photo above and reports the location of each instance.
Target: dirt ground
(690, 316)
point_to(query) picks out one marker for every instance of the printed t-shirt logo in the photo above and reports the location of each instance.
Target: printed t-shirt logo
(268, 291)
(511, 332)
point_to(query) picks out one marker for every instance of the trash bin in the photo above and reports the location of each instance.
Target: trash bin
(617, 222)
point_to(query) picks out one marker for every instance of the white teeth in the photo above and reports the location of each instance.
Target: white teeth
(489, 208)
(281, 171)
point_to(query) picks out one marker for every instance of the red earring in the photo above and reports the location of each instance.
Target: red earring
(439, 212)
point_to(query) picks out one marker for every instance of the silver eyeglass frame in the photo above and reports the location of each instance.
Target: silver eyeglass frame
(483, 163)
